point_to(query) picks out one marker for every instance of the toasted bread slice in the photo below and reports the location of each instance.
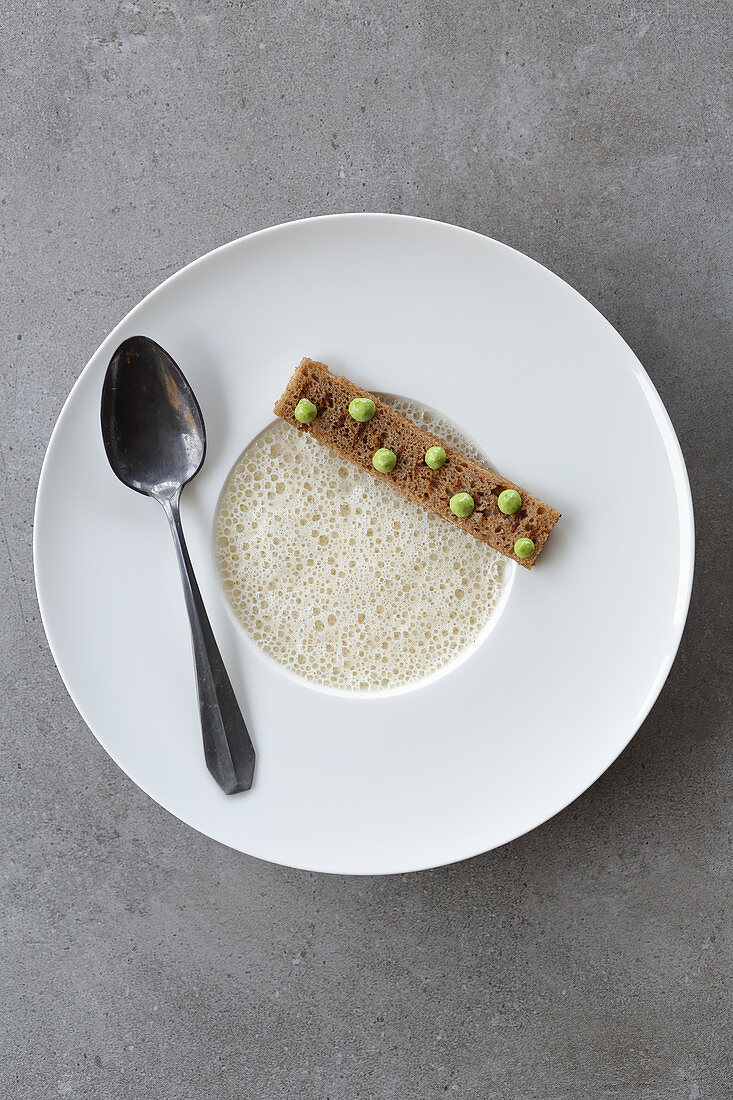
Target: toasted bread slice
(335, 428)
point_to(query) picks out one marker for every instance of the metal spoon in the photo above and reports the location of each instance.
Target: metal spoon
(155, 441)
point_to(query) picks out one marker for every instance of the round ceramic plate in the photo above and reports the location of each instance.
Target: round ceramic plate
(585, 640)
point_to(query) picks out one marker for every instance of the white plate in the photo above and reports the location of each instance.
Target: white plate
(585, 642)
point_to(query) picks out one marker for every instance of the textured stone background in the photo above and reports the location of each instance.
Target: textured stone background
(585, 961)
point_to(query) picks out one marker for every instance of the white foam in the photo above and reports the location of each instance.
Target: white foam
(340, 578)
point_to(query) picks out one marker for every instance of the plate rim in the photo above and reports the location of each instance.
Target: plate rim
(673, 452)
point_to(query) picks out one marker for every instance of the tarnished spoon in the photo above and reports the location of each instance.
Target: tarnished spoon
(155, 441)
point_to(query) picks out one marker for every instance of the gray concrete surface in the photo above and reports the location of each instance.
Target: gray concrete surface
(586, 960)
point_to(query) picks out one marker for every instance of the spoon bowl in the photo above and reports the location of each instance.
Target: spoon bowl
(152, 426)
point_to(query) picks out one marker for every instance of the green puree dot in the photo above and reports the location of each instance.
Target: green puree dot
(305, 411)
(435, 457)
(524, 548)
(461, 505)
(362, 409)
(384, 460)
(509, 502)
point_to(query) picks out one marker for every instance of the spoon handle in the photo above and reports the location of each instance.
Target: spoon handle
(228, 750)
